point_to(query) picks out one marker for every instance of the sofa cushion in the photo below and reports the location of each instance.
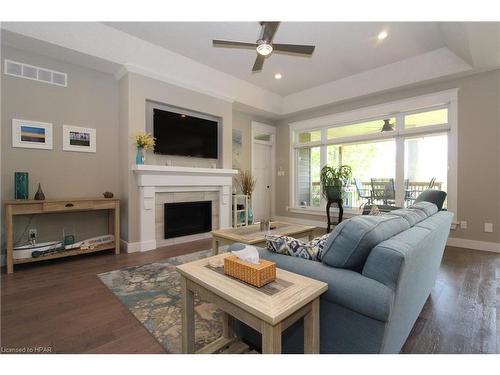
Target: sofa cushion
(428, 207)
(350, 243)
(385, 261)
(411, 215)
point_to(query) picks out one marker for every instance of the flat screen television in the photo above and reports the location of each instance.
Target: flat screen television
(184, 135)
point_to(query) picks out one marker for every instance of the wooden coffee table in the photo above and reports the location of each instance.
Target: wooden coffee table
(252, 235)
(268, 310)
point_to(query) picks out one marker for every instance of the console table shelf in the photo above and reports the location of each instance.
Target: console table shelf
(34, 207)
(67, 253)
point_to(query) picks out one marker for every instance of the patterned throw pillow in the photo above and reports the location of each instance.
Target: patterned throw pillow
(293, 247)
(374, 211)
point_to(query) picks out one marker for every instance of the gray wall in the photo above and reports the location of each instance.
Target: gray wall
(478, 149)
(90, 100)
(117, 110)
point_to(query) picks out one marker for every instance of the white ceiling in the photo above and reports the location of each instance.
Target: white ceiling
(342, 49)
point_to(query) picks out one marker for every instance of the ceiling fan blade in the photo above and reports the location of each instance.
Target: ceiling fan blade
(294, 48)
(259, 62)
(268, 31)
(232, 44)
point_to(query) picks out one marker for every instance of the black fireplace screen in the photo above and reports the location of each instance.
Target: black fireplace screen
(185, 218)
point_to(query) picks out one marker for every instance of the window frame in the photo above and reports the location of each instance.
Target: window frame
(397, 109)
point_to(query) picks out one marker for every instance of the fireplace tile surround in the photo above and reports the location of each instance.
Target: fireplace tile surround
(180, 197)
(160, 184)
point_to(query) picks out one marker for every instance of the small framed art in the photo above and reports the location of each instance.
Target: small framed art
(79, 139)
(31, 134)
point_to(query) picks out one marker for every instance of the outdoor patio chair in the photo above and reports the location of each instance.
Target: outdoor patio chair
(364, 193)
(383, 190)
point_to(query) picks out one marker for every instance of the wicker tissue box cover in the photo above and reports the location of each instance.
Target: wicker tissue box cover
(255, 274)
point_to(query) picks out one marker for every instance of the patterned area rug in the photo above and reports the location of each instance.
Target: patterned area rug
(152, 293)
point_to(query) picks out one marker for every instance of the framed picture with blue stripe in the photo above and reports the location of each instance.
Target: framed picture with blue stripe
(31, 134)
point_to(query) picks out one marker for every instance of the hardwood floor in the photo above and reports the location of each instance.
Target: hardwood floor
(61, 304)
(462, 315)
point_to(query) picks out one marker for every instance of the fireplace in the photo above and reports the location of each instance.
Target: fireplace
(160, 184)
(185, 218)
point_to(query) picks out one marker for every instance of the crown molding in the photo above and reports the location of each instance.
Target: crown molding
(434, 64)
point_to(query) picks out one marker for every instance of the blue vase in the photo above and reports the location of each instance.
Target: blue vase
(241, 217)
(139, 157)
(250, 215)
(21, 185)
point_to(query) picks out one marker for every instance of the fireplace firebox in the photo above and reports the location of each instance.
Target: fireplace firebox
(185, 218)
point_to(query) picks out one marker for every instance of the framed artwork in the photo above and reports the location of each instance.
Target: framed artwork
(31, 134)
(79, 139)
(237, 144)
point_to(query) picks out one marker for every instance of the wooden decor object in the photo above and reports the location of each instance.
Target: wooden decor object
(254, 274)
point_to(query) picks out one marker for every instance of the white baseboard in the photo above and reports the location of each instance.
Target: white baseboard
(316, 223)
(474, 245)
(129, 247)
(133, 247)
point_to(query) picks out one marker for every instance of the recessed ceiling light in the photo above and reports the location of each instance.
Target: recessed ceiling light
(382, 35)
(277, 76)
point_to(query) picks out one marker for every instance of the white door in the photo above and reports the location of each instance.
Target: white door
(261, 198)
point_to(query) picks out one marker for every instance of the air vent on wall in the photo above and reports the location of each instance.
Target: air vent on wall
(17, 69)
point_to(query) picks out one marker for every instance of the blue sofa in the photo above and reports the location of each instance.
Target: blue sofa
(380, 271)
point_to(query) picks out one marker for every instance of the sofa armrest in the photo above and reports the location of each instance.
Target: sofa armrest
(345, 287)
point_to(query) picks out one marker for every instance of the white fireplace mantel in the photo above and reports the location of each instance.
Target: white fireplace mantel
(152, 179)
(161, 175)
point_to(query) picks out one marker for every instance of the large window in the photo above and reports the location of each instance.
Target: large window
(393, 157)
(426, 162)
(308, 170)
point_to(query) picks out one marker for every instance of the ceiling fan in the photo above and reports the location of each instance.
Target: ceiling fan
(387, 126)
(265, 46)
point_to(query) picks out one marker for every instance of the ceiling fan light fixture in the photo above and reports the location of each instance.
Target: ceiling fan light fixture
(264, 46)
(264, 49)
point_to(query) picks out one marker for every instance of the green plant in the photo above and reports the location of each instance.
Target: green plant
(336, 178)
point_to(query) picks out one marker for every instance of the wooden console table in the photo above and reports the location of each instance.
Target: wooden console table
(33, 207)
